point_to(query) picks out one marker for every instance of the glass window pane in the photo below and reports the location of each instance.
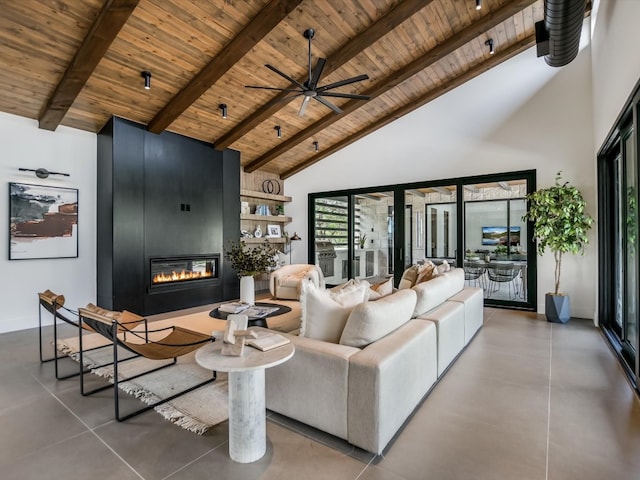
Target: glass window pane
(631, 203)
(331, 236)
(373, 236)
(441, 232)
(495, 239)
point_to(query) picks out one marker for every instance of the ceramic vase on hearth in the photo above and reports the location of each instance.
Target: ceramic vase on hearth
(247, 290)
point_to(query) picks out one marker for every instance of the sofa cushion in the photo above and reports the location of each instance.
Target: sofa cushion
(433, 293)
(381, 289)
(371, 321)
(444, 267)
(427, 272)
(352, 284)
(409, 277)
(325, 312)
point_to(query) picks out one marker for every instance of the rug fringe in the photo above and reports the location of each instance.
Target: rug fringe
(75, 355)
(167, 410)
(71, 353)
(180, 419)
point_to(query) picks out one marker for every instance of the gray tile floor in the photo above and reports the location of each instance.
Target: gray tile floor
(526, 400)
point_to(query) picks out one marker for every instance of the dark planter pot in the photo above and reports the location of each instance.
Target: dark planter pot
(557, 308)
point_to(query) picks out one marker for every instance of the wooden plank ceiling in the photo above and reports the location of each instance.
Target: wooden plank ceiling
(77, 63)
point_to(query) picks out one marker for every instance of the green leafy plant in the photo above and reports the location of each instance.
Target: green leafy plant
(501, 250)
(560, 222)
(363, 239)
(249, 261)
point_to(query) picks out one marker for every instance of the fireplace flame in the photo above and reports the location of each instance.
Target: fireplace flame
(180, 276)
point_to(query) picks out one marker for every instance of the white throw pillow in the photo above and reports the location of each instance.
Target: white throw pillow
(353, 284)
(371, 321)
(443, 267)
(324, 313)
(381, 289)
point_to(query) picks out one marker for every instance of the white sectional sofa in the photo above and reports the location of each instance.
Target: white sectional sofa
(364, 395)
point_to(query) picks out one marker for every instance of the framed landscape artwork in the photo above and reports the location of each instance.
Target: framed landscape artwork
(498, 235)
(43, 222)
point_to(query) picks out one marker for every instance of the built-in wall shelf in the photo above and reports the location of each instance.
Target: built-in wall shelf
(262, 239)
(250, 222)
(266, 218)
(264, 196)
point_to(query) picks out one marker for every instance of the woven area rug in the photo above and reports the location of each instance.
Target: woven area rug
(196, 411)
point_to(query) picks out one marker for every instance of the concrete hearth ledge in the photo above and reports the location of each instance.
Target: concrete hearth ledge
(198, 319)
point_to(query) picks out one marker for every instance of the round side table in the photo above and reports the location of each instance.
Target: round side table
(247, 422)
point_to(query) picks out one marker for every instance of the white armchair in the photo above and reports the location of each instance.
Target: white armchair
(286, 281)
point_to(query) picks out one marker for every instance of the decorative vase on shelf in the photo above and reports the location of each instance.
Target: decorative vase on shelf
(247, 290)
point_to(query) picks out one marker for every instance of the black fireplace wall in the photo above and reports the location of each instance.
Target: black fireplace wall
(159, 196)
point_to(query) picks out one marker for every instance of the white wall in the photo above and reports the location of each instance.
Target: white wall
(616, 67)
(65, 150)
(520, 115)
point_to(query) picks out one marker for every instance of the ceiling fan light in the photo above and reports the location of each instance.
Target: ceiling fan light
(478, 4)
(147, 79)
(223, 107)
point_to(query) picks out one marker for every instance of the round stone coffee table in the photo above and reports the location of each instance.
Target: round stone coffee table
(247, 422)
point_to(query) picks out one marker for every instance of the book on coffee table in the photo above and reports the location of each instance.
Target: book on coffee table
(259, 312)
(233, 307)
(268, 341)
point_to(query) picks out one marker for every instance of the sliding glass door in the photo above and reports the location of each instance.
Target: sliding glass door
(353, 236)
(372, 254)
(618, 216)
(331, 230)
(474, 223)
(496, 240)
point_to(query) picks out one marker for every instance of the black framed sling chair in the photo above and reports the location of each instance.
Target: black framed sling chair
(54, 304)
(131, 332)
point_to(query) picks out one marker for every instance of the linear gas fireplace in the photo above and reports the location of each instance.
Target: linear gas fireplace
(183, 271)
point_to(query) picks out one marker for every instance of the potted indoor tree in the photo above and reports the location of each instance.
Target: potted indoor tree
(249, 261)
(560, 223)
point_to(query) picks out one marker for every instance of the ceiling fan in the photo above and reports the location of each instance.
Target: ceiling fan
(310, 88)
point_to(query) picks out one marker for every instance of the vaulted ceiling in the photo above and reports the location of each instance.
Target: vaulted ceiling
(76, 63)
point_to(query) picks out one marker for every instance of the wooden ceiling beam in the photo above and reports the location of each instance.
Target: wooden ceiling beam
(377, 30)
(432, 56)
(499, 57)
(265, 21)
(112, 17)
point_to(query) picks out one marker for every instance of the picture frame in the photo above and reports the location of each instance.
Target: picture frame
(43, 221)
(273, 231)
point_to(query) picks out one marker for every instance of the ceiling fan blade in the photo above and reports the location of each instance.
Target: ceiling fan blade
(283, 99)
(303, 107)
(284, 75)
(345, 95)
(316, 73)
(347, 81)
(273, 88)
(327, 103)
